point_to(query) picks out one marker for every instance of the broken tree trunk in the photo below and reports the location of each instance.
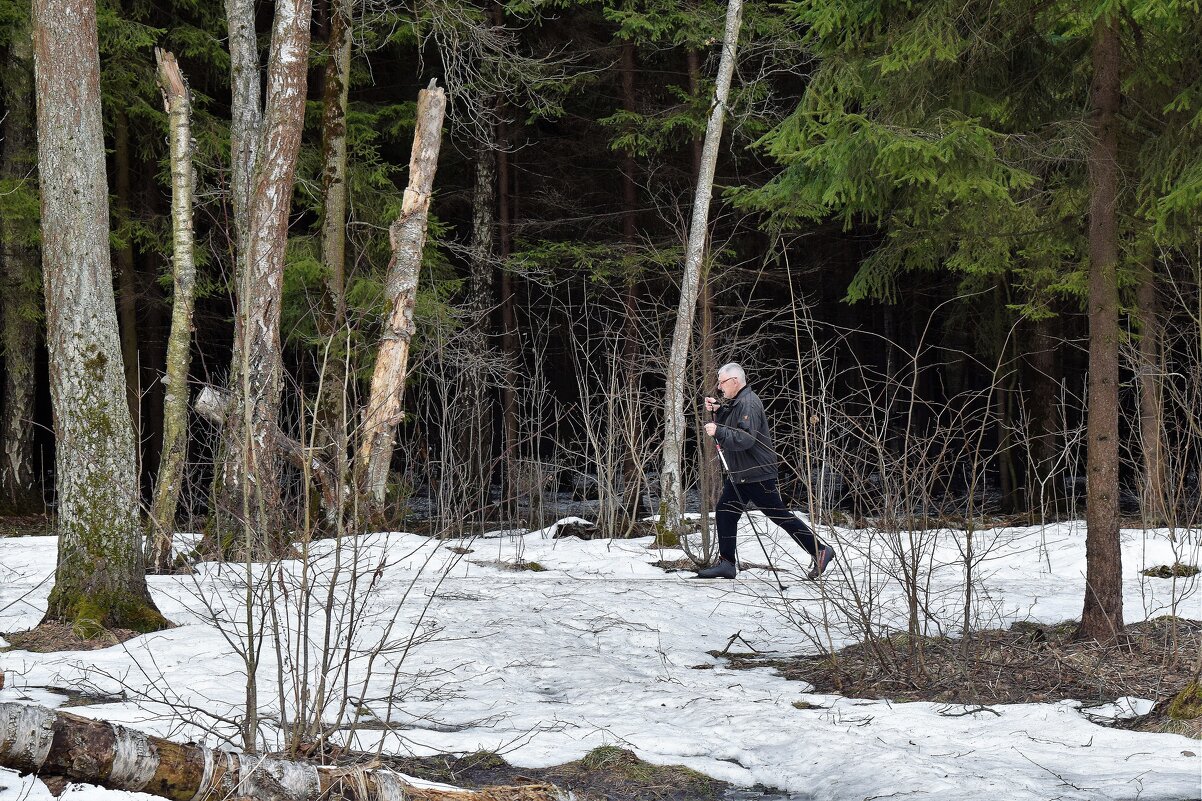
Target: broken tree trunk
(215, 405)
(58, 747)
(179, 343)
(408, 237)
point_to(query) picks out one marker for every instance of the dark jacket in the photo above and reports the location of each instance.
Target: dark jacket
(744, 438)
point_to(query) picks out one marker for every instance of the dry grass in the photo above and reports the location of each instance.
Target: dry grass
(50, 637)
(1027, 663)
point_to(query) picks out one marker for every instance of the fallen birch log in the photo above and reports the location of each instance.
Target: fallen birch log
(58, 746)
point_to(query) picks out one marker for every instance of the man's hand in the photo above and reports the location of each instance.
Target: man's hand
(712, 405)
(710, 428)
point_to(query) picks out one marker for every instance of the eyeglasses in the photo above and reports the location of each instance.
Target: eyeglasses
(724, 380)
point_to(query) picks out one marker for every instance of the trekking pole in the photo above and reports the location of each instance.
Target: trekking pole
(755, 529)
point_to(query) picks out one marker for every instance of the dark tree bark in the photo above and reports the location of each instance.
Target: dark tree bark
(1154, 501)
(509, 330)
(1102, 616)
(19, 304)
(100, 579)
(246, 110)
(1046, 495)
(476, 440)
(632, 474)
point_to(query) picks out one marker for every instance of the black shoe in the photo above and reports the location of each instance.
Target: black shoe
(721, 569)
(825, 555)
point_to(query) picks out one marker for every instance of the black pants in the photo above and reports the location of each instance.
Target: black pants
(766, 497)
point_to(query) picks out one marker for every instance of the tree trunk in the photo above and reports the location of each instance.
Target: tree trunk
(709, 473)
(477, 439)
(633, 506)
(179, 343)
(332, 405)
(19, 306)
(246, 119)
(127, 278)
(250, 489)
(671, 484)
(100, 579)
(1102, 616)
(60, 747)
(216, 405)
(334, 159)
(1151, 403)
(509, 330)
(1045, 480)
(246, 111)
(408, 237)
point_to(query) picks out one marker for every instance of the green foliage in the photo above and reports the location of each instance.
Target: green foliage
(601, 262)
(965, 145)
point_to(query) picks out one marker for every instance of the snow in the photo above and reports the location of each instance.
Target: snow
(603, 648)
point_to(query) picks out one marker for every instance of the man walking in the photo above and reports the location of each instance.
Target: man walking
(740, 429)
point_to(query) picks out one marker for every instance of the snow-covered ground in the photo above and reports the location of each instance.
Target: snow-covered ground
(602, 648)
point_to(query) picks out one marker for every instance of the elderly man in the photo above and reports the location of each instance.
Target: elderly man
(740, 429)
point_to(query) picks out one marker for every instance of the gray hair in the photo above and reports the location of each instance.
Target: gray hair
(732, 369)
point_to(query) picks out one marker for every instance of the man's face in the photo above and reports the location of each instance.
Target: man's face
(729, 385)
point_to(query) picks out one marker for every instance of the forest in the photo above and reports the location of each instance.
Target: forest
(277, 273)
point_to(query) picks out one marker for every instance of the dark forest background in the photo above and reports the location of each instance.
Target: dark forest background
(898, 256)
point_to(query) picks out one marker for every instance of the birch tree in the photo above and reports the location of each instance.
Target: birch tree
(334, 161)
(177, 102)
(248, 482)
(99, 580)
(671, 484)
(332, 406)
(246, 111)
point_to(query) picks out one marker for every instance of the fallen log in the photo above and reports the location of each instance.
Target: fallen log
(59, 748)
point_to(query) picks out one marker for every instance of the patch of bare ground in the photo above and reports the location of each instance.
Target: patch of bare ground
(25, 525)
(675, 565)
(607, 773)
(50, 637)
(1027, 663)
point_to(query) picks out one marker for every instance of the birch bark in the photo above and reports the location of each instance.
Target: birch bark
(249, 482)
(246, 111)
(671, 482)
(179, 342)
(99, 580)
(332, 405)
(58, 745)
